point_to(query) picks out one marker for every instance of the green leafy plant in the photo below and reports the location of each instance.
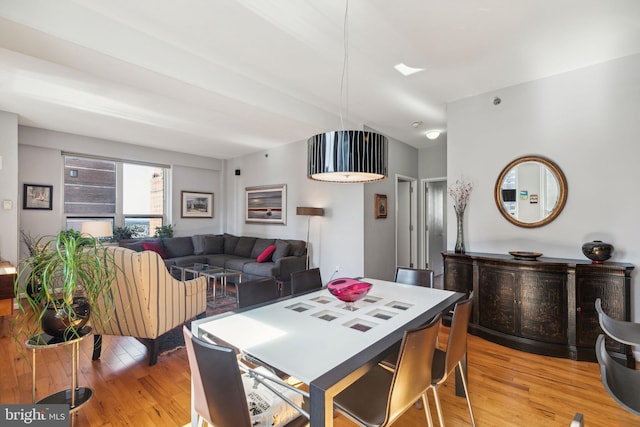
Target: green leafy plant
(66, 266)
(164, 231)
(126, 232)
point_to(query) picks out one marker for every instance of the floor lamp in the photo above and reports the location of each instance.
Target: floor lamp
(309, 212)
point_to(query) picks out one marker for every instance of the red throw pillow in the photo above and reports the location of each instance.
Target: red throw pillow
(266, 254)
(155, 247)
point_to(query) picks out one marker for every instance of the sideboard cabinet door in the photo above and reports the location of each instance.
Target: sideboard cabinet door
(543, 306)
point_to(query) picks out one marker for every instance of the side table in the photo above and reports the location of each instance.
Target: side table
(76, 396)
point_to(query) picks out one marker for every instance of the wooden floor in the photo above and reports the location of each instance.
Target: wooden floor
(507, 387)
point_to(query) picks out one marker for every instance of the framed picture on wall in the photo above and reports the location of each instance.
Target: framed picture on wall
(195, 204)
(266, 204)
(381, 206)
(37, 196)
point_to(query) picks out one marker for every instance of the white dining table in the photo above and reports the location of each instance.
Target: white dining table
(314, 338)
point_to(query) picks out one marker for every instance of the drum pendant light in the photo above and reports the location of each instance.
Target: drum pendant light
(347, 156)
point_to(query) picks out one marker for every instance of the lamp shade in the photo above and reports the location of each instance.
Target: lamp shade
(97, 229)
(309, 211)
(347, 156)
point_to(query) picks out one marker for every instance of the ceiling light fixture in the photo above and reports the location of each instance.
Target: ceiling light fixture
(433, 134)
(347, 156)
(405, 70)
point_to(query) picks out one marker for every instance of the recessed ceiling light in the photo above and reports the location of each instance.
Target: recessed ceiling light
(416, 123)
(433, 134)
(405, 70)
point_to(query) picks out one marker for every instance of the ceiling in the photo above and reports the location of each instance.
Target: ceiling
(226, 78)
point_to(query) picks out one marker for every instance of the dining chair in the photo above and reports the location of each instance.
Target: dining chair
(445, 362)
(379, 397)
(305, 281)
(622, 383)
(620, 330)
(414, 276)
(578, 420)
(252, 292)
(219, 394)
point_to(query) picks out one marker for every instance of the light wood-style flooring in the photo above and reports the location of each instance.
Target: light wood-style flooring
(507, 387)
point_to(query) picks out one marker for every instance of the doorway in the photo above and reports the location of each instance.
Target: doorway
(406, 216)
(435, 227)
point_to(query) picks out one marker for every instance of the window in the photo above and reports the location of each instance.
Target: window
(129, 194)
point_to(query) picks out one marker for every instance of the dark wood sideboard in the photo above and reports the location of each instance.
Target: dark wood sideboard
(544, 306)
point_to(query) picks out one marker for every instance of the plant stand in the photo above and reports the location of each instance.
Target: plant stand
(75, 396)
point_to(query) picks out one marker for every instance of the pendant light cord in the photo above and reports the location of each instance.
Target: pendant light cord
(344, 81)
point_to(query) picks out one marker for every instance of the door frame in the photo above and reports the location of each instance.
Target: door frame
(413, 234)
(424, 212)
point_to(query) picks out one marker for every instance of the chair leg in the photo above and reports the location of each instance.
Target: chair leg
(97, 347)
(154, 349)
(466, 393)
(425, 404)
(438, 407)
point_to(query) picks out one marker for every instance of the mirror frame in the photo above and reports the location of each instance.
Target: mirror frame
(562, 196)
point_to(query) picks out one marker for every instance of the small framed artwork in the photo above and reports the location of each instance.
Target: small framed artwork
(266, 204)
(37, 196)
(381, 206)
(196, 205)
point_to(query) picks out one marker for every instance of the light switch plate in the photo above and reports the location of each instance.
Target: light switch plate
(7, 205)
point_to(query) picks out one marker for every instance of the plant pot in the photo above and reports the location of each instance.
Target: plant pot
(56, 323)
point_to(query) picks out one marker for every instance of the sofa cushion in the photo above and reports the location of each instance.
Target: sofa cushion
(237, 263)
(133, 245)
(230, 242)
(259, 246)
(298, 247)
(266, 254)
(178, 246)
(263, 269)
(155, 247)
(213, 245)
(198, 243)
(219, 260)
(282, 250)
(244, 246)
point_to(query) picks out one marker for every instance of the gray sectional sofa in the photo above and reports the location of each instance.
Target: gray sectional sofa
(229, 251)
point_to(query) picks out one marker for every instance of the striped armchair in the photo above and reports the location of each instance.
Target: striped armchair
(148, 301)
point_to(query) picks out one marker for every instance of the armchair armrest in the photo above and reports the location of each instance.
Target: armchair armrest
(290, 264)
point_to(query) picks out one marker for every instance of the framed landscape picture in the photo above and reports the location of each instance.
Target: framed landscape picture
(196, 205)
(266, 204)
(37, 196)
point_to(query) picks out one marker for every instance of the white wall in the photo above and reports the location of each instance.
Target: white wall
(40, 162)
(336, 239)
(9, 187)
(587, 122)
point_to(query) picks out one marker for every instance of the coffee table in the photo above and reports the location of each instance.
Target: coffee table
(193, 269)
(220, 275)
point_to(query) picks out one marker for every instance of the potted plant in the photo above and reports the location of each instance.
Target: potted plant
(74, 272)
(164, 231)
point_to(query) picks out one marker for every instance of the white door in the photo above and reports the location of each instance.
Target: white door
(406, 215)
(435, 195)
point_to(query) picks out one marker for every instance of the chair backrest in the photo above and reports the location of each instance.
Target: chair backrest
(412, 376)
(620, 330)
(258, 291)
(457, 341)
(218, 392)
(414, 276)
(305, 281)
(622, 383)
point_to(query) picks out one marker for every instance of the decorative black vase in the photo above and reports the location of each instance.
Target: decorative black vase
(56, 323)
(459, 249)
(597, 251)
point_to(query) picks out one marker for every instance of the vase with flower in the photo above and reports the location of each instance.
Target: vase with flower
(460, 193)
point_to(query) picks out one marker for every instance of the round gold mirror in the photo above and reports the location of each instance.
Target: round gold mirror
(531, 191)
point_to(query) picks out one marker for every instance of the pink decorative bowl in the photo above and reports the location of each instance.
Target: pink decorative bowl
(348, 290)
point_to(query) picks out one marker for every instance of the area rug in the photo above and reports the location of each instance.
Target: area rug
(173, 339)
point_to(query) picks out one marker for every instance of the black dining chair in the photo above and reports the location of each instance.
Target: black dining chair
(259, 291)
(305, 281)
(414, 276)
(620, 330)
(380, 397)
(622, 383)
(219, 394)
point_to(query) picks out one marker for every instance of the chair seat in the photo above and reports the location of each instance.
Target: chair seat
(370, 410)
